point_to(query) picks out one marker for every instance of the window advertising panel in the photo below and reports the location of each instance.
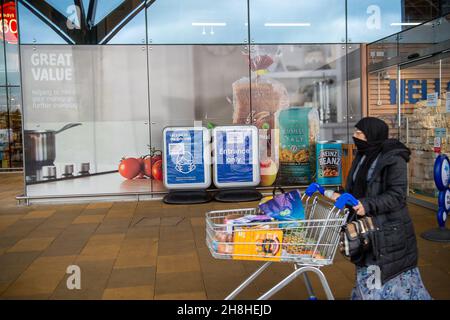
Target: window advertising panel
(82, 117)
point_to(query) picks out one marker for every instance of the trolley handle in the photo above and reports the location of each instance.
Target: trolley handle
(313, 188)
(345, 199)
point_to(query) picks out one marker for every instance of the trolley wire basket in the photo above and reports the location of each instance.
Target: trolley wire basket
(309, 243)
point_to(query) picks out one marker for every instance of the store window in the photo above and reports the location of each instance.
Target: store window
(311, 76)
(422, 120)
(411, 95)
(15, 128)
(382, 51)
(382, 97)
(413, 43)
(10, 98)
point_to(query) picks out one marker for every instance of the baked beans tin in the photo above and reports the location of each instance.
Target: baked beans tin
(329, 162)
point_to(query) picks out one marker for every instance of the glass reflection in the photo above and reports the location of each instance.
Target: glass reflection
(105, 7)
(34, 30)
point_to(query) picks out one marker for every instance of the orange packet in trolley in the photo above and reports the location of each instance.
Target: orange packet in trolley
(257, 244)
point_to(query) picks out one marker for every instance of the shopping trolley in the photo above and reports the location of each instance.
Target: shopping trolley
(309, 244)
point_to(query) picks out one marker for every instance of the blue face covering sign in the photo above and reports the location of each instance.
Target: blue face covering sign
(235, 157)
(185, 164)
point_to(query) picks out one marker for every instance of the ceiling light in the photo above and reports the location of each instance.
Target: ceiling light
(209, 24)
(292, 24)
(405, 24)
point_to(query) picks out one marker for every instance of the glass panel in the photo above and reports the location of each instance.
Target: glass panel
(104, 7)
(15, 124)
(196, 83)
(382, 97)
(313, 75)
(369, 20)
(445, 81)
(4, 131)
(420, 122)
(103, 88)
(12, 64)
(412, 42)
(353, 88)
(133, 32)
(292, 21)
(35, 30)
(63, 6)
(301, 83)
(442, 32)
(86, 6)
(2, 64)
(197, 22)
(382, 50)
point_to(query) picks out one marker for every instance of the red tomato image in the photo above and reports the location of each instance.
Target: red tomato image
(157, 170)
(141, 174)
(129, 168)
(148, 164)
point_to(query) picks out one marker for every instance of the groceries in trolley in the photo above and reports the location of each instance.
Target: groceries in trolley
(302, 229)
(278, 230)
(285, 206)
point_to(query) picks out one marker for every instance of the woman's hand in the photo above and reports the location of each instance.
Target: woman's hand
(359, 209)
(335, 196)
(332, 195)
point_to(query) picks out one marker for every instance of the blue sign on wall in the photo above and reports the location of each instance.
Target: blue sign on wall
(415, 87)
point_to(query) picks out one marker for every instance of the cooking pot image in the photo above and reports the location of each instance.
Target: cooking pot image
(185, 163)
(40, 148)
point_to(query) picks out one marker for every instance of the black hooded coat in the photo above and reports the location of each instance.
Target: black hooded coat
(394, 247)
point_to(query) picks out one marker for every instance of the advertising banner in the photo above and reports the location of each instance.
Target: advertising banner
(8, 23)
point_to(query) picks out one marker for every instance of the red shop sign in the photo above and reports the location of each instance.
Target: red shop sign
(8, 23)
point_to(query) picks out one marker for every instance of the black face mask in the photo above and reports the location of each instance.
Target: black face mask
(361, 145)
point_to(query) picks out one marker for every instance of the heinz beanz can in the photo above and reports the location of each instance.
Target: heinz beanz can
(329, 162)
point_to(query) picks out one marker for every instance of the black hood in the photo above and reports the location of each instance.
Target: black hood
(395, 147)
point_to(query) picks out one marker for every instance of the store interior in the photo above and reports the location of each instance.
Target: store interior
(417, 62)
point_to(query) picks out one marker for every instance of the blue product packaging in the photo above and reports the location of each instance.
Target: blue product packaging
(284, 207)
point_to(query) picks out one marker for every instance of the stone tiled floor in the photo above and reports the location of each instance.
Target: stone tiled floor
(149, 250)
